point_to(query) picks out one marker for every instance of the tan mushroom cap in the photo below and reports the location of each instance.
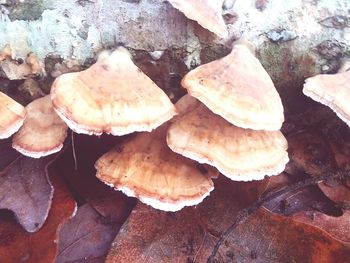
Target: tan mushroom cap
(331, 90)
(207, 13)
(43, 131)
(239, 89)
(12, 115)
(146, 168)
(240, 154)
(112, 96)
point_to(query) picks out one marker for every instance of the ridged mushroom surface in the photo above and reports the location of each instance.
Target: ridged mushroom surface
(146, 168)
(238, 88)
(240, 154)
(113, 96)
(43, 131)
(207, 13)
(12, 115)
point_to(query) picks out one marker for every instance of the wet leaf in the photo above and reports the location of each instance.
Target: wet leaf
(17, 245)
(25, 190)
(337, 227)
(86, 237)
(188, 235)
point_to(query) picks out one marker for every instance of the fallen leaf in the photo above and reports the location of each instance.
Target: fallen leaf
(322, 146)
(339, 193)
(105, 200)
(7, 154)
(338, 188)
(86, 237)
(311, 155)
(190, 235)
(267, 237)
(292, 202)
(309, 152)
(17, 245)
(150, 235)
(26, 191)
(337, 227)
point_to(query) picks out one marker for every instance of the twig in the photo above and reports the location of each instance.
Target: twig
(74, 154)
(256, 205)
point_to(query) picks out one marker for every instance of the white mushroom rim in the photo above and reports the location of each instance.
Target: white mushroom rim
(38, 154)
(162, 205)
(12, 129)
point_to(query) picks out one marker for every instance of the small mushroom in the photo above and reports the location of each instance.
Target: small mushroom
(43, 131)
(146, 168)
(112, 96)
(5, 53)
(12, 115)
(332, 90)
(239, 89)
(208, 13)
(17, 69)
(240, 154)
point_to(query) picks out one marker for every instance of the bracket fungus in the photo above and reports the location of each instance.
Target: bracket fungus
(146, 168)
(112, 96)
(11, 117)
(332, 90)
(43, 131)
(238, 88)
(207, 13)
(239, 154)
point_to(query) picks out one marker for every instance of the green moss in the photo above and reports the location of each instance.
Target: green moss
(288, 70)
(29, 10)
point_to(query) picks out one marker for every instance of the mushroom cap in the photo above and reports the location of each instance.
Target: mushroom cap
(43, 131)
(239, 89)
(11, 117)
(112, 96)
(331, 90)
(207, 13)
(146, 168)
(240, 154)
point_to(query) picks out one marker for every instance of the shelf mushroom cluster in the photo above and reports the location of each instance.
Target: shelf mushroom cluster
(236, 125)
(168, 165)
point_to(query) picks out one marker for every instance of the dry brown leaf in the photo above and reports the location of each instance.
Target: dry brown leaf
(150, 235)
(337, 227)
(16, 245)
(309, 152)
(290, 202)
(7, 154)
(111, 204)
(338, 189)
(265, 237)
(25, 190)
(86, 237)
